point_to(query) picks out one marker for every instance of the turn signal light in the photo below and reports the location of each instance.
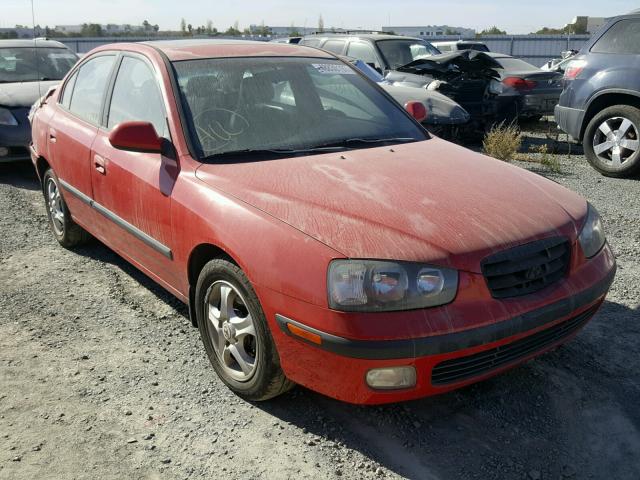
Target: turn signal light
(306, 334)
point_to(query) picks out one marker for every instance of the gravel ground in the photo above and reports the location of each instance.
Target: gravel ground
(102, 376)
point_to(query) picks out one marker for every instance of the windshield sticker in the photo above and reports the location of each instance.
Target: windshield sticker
(333, 68)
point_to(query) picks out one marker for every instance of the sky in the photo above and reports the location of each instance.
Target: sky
(523, 16)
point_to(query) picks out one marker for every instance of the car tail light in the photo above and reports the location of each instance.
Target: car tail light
(519, 83)
(574, 68)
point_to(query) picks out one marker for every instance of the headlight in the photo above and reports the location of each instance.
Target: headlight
(7, 118)
(496, 87)
(592, 236)
(383, 286)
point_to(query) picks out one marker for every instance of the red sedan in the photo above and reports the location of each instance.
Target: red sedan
(318, 233)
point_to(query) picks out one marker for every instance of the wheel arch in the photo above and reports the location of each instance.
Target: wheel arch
(605, 99)
(41, 166)
(200, 255)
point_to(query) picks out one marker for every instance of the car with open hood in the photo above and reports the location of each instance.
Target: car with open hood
(317, 232)
(28, 68)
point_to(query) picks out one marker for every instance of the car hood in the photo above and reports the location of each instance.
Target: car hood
(441, 110)
(428, 201)
(23, 94)
(469, 61)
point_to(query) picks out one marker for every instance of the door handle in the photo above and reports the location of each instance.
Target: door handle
(52, 138)
(98, 163)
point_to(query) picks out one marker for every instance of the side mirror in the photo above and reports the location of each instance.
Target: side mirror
(417, 110)
(136, 136)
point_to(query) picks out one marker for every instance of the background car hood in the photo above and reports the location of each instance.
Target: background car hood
(23, 94)
(428, 201)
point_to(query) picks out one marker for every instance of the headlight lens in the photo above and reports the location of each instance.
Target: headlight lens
(592, 237)
(496, 87)
(383, 286)
(7, 118)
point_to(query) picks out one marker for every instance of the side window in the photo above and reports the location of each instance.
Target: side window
(363, 51)
(310, 42)
(68, 90)
(136, 96)
(623, 37)
(334, 46)
(89, 87)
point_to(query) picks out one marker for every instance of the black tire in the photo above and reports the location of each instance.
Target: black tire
(268, 379)
(68, 233)
(629, 166)
(530, 119)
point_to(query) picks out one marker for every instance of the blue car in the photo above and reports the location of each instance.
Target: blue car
(28, 69)
(600, 103)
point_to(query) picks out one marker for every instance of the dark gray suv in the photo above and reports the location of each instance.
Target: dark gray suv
(600, 103)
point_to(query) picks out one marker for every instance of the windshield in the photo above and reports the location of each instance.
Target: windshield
(401, 52)
(29, 64)
(285, 104)
(515, 64)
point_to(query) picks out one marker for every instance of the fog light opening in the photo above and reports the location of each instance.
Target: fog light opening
(4, 151)
(391, 378)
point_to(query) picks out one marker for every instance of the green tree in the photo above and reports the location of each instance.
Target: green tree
(183, 26)
(209, 27)
(91, 30)
(320, 24)
(493, 31)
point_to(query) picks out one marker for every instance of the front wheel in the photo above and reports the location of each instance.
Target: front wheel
(67, 232)
(611, 142)
(235, 334)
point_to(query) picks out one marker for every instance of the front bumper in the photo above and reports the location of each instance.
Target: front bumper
(15, 139)
(338, 366)
(569, 120)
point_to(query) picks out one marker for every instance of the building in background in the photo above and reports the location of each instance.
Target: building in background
(585, 24)
(431, 31)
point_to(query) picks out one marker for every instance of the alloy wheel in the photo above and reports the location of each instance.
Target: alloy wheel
(231, 330)
(616, 141)
(54, 203)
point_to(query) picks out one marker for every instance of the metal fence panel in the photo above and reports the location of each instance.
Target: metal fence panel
(535, 49)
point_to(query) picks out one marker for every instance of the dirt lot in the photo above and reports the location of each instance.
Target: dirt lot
(102, 376)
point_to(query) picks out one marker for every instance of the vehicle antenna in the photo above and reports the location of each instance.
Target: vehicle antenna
(35, 50)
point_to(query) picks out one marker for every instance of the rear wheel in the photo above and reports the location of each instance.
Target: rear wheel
(67, 232)
(611, 142)
(235, 334)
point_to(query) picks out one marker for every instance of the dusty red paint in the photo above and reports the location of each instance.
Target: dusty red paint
(284, 220)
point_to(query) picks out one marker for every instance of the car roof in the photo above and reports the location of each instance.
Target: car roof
(455, 42)
(39, 42)
(191, 49)
(368, 36)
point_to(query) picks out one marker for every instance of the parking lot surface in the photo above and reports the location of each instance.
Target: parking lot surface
(102, 376)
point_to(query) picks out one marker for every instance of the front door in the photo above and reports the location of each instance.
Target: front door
(129, 188)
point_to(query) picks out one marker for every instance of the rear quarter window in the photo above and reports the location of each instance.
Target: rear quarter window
(622, 38)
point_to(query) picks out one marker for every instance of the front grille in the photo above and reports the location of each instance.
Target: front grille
(527, 268)
(463, 368)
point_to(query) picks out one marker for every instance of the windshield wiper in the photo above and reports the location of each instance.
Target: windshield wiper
(354, 142)
(250, 152)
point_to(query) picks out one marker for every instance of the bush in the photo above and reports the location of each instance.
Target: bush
(548, 161)
(502, 142)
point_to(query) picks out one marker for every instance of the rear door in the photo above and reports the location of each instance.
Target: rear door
(132, 190)
(73, 129)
